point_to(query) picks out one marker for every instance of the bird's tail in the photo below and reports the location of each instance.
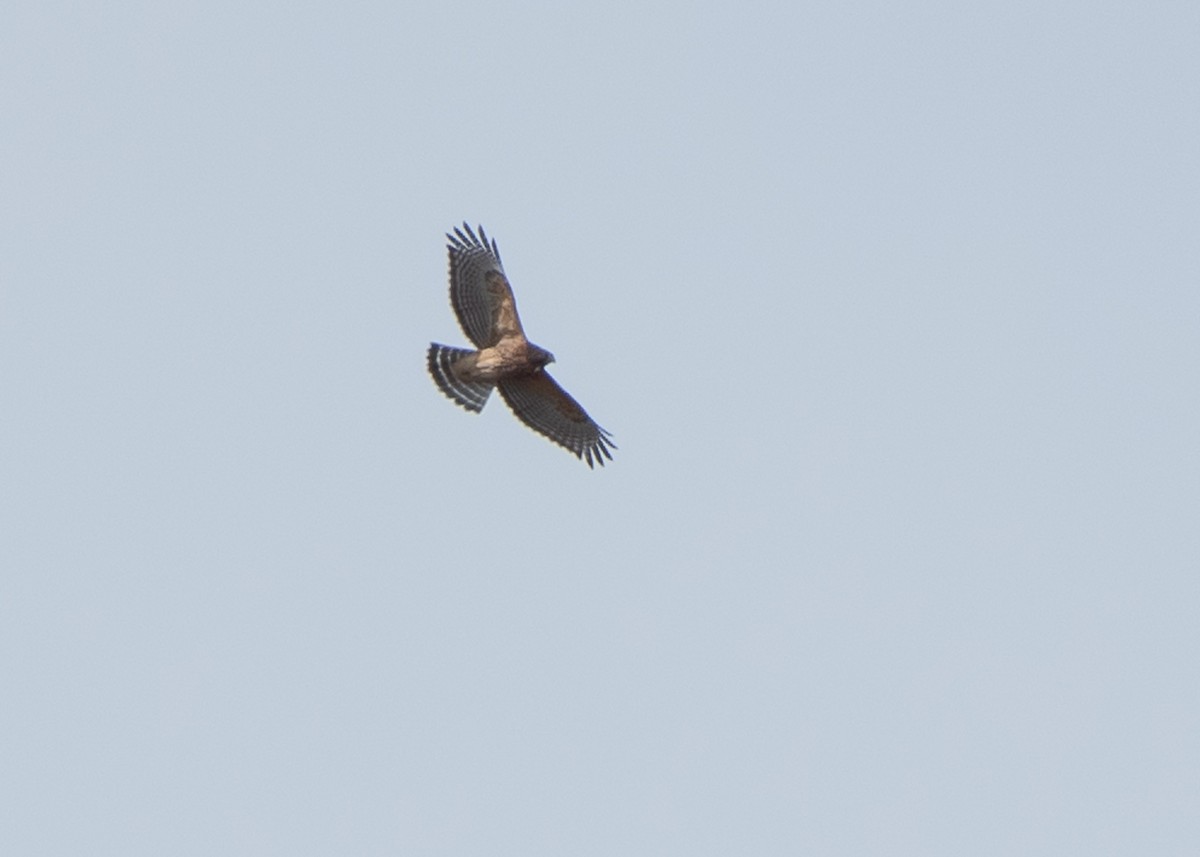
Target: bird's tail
(472, 395)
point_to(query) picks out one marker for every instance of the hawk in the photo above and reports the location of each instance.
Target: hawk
(483, 301)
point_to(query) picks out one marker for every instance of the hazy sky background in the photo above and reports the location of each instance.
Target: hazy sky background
(892, 309)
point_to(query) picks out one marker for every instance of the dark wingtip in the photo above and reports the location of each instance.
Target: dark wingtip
(464, 237)
(596, 453)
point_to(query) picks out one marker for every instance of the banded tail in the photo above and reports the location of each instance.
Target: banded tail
(472, 395)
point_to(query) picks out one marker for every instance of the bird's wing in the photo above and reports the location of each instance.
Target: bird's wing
(545, 407)
(479, 291)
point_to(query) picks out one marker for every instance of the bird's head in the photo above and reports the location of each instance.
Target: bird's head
(539, 355)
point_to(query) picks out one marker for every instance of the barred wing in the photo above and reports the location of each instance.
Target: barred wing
(479, 291)
(545, 407)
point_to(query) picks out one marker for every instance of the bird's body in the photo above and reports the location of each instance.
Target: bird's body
(483, 301)
(508, 358)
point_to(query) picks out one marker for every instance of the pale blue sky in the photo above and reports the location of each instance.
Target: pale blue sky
(892, 310)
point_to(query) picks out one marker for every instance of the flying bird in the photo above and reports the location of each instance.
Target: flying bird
(483, 301)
